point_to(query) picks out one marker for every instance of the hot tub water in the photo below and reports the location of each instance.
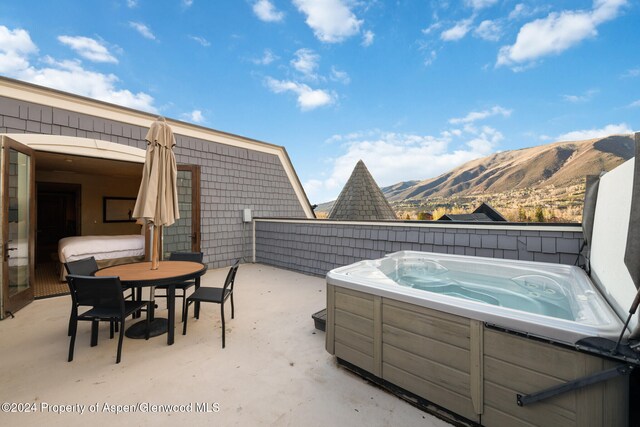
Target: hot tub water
(533, 293)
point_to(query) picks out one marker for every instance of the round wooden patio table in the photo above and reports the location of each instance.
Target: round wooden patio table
(169, 273)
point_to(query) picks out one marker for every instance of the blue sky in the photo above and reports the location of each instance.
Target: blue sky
(413, 88)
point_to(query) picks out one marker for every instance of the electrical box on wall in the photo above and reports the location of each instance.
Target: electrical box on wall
(246, 215)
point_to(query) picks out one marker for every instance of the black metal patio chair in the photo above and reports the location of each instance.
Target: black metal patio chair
(213, 295)
(85, 267)
(106, 301)
(181, 256)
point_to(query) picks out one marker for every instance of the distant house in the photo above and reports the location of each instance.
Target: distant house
(425, 216)
(361, 199)
(483, 213)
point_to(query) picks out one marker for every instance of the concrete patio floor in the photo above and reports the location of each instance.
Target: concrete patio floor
(274, 370)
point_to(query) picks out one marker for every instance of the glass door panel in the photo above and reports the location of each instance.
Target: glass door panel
(184, 234)
(17, 225)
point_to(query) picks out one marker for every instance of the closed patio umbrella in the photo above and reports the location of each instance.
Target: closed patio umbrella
(157, 202)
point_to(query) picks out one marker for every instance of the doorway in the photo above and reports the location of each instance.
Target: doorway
(57, 217)
(184, 235)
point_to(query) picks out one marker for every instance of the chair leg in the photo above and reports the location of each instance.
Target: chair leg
(184, 302)
(72, 317)
(72, 342)
(148, 324)
(232, 310)
(185, 316)
(94, 333)
(136, 295)
(112, 327)
(121, 335)
(222, 316)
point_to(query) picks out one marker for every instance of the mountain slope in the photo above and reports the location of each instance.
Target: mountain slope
(559, 164)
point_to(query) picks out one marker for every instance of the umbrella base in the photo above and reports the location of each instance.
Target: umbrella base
(157, 326)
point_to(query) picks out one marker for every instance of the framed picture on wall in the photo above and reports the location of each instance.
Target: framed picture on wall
(118, 209)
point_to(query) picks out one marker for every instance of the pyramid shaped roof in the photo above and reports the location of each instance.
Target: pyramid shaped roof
(361, 199)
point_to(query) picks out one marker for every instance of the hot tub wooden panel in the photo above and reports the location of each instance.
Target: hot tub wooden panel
(438, 351)
(427, 351)
(352, 327)
(514, 364)
(437, 325)
(442, 396)
(467, 368)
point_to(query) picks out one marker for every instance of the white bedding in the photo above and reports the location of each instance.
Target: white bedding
(101, 247)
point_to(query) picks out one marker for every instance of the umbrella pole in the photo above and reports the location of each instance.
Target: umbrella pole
(155, 247)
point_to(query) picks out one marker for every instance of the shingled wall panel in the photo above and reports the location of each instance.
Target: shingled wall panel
(315, 247)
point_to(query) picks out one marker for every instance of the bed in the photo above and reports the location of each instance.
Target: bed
(107, 250)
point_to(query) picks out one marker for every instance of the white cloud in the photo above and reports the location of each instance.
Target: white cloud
(557, 32)
(70, 76)
(16, 48)
(635, 104)
(187, 3)
(612, 129)
(522, 10)
(433, 27)
(88, 48)
(481, 115)
(480, 4)
(142, 29)
(430, 58)
(576, 99)
(458, 31)
(308, 98)
(634, 72)
(331, 20)
(194, 116)
(394, 157)
(367, 38)
(266, 11)
(201, 40)
(132, 3)
(519, 10)
(488, 30)
(267, 58)
(306, 62)
(485, 140)
(340, 76)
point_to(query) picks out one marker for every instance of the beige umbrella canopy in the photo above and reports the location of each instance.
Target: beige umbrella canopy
(157, 202)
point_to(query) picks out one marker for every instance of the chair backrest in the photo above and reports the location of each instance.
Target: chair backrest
(231, 277)
(82, 267)
(93, 291)
(186, 256)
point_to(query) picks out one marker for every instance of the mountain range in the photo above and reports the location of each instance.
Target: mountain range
(555, 165)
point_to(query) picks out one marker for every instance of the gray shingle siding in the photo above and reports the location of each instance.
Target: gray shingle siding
(348, 243)
(231, 178)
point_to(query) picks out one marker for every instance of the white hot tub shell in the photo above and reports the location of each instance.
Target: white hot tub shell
(590, 314)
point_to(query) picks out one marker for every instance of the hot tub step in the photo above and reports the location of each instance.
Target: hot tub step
(320, 319)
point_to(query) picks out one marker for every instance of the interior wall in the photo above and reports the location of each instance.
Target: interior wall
(94, 188)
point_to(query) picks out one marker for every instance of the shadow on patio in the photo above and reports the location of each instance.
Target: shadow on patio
(273, 371)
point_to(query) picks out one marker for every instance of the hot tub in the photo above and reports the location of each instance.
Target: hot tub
(551, 301)
(468, 334)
